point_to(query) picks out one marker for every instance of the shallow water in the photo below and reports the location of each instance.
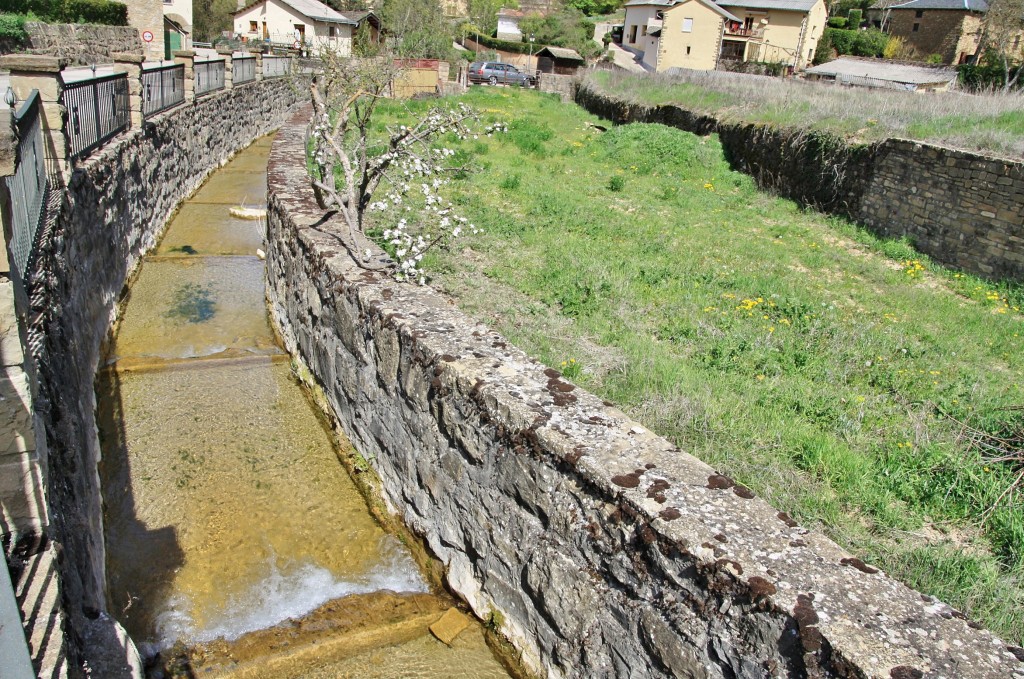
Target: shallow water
(227, 510)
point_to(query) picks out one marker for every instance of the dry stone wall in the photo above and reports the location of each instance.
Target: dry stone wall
(82, 44)
(596, 546)
(962, 209)
(112, 211)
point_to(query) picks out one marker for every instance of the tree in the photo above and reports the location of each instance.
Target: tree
(1002, 39)
(211, 18)
(350, 165)
(418, 29)
(484, 14)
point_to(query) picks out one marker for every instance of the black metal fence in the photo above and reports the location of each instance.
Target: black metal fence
(243, 70)
(209, 76)
(97, 109)
(28, 185)
(162, 88)
(275, 67)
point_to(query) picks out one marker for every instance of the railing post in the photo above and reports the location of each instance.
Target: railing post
(126, 62)
(226, 55)
(188, 58)
(36, 72)
(259, 66)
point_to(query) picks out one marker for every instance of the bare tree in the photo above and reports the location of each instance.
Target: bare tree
(349, 165)
(1002, 38)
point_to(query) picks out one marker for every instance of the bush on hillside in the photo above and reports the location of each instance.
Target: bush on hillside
(837, 42)
(988, 74)
(104, 12)
(12, 28)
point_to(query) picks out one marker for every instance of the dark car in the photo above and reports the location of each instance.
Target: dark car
(497, 73)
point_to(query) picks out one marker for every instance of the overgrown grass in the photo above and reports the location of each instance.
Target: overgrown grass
(830, 371)
(991, 123)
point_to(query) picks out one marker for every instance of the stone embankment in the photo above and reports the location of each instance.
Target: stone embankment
(597, 547)
(112, 211)
(962, 209)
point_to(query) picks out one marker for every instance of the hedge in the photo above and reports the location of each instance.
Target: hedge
(505, 45)
(104, 12)
(12, 28)
(869, 43)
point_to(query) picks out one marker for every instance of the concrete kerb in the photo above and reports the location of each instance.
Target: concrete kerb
(629, 553)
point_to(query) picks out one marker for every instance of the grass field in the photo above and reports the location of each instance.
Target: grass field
(837, 375)
(991, 123)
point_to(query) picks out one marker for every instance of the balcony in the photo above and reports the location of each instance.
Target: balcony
(734, 32)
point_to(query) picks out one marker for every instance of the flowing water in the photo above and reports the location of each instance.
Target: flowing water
(232, 530)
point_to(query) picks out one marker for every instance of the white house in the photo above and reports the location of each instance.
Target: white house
(300, 22)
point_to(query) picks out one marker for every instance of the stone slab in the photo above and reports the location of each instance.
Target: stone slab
(450, 625)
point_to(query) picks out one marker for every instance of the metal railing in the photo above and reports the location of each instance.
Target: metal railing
(97, 109)
(275, 67)
(162, 88)
(243, 70)
(28, 185)
(209, 76)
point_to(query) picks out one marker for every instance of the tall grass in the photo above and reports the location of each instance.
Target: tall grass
(991, 123)
(832, 372)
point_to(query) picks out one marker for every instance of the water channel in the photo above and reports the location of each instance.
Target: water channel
(234, 536)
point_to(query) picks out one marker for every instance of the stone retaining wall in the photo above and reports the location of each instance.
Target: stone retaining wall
(962, 209)
(597, 547)
(82, 44)
(113, 210)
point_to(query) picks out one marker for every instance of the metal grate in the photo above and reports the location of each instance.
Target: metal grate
(97, 109)
(28, 185)
(162, 88)
(243, 70)
(209, 76)
(275, 67)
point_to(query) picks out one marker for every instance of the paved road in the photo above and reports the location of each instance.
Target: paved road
(625, 58)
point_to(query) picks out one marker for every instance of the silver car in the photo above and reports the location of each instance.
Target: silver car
(498, 73)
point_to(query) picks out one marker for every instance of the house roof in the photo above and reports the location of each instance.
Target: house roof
(313, 9)
(780, 5)
(358, 16)
(881, 69)
(962, 5)
(562, 53)
(791, 5)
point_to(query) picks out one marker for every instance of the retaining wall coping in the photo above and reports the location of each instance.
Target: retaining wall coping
(848, 616)
(33, 63)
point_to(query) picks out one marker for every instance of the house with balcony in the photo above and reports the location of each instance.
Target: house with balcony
(301, 23)
(701, 34)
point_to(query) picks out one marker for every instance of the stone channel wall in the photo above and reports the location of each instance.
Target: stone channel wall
(962, 209)
(594, 545)
(115, 205)
(82, 44)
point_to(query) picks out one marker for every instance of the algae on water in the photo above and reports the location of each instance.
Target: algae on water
(193, 302)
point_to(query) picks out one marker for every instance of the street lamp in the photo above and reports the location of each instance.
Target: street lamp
(529, 62)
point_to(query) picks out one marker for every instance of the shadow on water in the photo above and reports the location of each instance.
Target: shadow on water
(140, 562)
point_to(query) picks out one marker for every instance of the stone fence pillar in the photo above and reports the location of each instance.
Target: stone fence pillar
(188, 58)
(226, 55)
(259, 66)
(127, 62)
(37, 72)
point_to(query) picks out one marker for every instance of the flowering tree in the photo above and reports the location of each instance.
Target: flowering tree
(349, 165)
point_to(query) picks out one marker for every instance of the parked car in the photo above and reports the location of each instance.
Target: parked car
(497, 73)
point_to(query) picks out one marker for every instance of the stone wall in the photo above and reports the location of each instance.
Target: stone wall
(113, 209)
(962, 209)
(562, 85)
(597, 547)
(82, 44)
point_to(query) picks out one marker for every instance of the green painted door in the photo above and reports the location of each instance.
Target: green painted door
(172, 42)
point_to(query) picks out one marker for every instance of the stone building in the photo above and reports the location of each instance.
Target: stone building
(949, 28)
(147, 16)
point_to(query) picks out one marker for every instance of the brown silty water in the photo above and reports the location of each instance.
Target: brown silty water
(232, 530)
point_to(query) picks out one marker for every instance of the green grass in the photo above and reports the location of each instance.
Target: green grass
(987, 123)
(826, 369)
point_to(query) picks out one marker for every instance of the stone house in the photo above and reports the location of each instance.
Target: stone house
(147, 16)
(949, 28)
(700, 34)
(301, 23)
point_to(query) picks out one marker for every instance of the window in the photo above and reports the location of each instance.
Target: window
(687, 25)
(915, 28)
(643, 30)
(687, 50)
(253, 27)
(330, 31)
(918, 14)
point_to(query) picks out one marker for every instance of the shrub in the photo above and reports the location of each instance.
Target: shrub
(934, 59)
(12, 28)
(838, 22)
(856, 17)
(869, 43)
(616, 183)
(103, 12)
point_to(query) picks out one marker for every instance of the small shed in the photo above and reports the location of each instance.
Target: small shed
(883, 73)
(559, 60)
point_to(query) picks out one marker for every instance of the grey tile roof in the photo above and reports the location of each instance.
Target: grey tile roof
(672, 3)
(313, 9)
(857, 67)
(968, 5)
(781, 5)
(562, 53)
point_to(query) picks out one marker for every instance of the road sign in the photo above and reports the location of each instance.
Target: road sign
(296, 44)
(147, 36)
